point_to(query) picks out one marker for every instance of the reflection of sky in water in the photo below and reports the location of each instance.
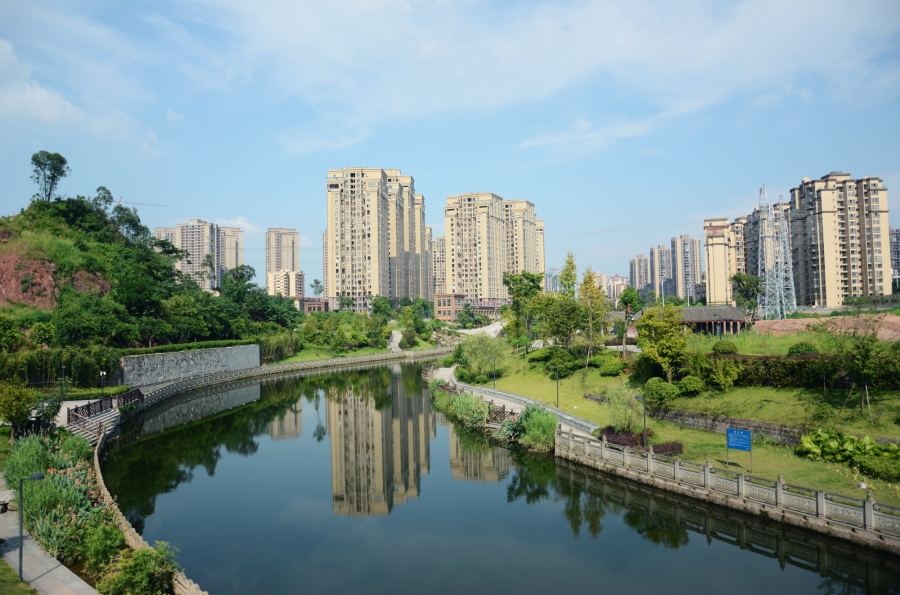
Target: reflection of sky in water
(268, 521)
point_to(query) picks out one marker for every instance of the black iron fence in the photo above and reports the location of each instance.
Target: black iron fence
(105, 404)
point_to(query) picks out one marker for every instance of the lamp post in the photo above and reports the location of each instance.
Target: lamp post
(494, 360)
(557, 384)
(22, 480)
(102, 382)
(642, 398)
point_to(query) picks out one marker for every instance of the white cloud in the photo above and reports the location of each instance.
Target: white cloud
(173, 116)
(23, 98)
(584, 137)
(317, 137)
(241, 222)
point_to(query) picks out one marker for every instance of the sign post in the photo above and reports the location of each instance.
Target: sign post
(739, 440)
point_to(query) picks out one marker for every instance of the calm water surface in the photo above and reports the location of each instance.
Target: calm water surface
(350, 483)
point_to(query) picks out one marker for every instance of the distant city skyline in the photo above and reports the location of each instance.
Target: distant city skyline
(626, 123)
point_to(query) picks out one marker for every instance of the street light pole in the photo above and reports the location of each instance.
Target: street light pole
(102, 382)
(644, 399)
(22, 480)
(494, 360)
(557, 384)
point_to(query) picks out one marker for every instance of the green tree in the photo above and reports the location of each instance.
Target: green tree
(661, 337)
(43, 333)
(568, 277)
(746, 292)
(16, 403)
(521, 288)
(47, 170)
(345, 303)
(9, 333)
(381, 306)
(595, 307)
(481, 353)
(630, 300)
(563, 319)
(317, 288)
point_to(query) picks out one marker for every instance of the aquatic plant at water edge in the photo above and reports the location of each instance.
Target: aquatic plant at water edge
(141, 572)
(538, 428)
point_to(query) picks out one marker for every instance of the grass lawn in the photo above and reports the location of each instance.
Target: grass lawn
(420, 345)
(768, 461)
(9, 581)
(310, 354)
(5, 448)
(795, 407)
(752, 343)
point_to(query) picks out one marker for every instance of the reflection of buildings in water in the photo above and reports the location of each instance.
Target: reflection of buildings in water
(491, 464)
(378, 456)
(289, 424)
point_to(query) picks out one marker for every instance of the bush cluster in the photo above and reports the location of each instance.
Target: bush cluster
(724, 348)
(876, 460)
(802, 348)
(691, 386)
(660, 393)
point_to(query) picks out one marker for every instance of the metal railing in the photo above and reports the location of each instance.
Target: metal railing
(103, 405)
(90, 427)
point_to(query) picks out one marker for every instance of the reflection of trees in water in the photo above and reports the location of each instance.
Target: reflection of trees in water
(159, 463)
(536, 479)
(831, 586)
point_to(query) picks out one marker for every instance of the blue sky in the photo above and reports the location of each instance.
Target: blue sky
(626, 123)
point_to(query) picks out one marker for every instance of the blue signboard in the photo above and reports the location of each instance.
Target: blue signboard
(739, 439)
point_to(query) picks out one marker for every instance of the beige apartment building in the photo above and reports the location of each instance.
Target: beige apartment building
(687, 265)
(615, 286)
(357, 239)
(601, 280)
(211, 250)
(661, 275)
(839, 239)
(283, 257)
(401, 214)
(287, 284)
(721, 262)
(639, 272)
(521, 236)
(475, 239)
(426, 281)
(439, 254)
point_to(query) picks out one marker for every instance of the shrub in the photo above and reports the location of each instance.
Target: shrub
(99, 547)
(878, 467)
(141, 572)
(448, 361)
(623, 408)
(659, 393)
(472, 411)
(803, 348)
(822, 412)
(540, 355)
(724, 348)
(601, 358)
(538, 428)
(481, 379)
(691, 386)
(668, 449)
(625, 438)
(462, 374)
(611, 367)
(723, 373)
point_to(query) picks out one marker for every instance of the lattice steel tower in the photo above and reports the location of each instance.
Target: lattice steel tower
(777, 299)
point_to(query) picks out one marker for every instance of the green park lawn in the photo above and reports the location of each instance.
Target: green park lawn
(768, 460)
(311, 354)
(795, 407)
(752, 343)
(9, 582)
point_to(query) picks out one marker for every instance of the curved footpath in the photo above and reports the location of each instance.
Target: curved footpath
(863, 522)
(46, 574)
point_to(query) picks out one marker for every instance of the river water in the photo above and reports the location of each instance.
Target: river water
(350, 483)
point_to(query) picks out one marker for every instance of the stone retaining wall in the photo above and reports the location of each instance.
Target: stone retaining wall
(157, 368)
(183, 585)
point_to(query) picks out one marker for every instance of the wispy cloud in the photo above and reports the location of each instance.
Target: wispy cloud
(173, 116)
(319, 137)
(584, 136)
(22, 97)
(241, 222)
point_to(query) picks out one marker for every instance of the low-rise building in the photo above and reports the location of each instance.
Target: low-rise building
(448, 305)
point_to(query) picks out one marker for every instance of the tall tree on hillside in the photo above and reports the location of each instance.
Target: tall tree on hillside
(746, 292)
(48, 170)
(521, 288)
(661, 337)
(568, 277)
(595, 307)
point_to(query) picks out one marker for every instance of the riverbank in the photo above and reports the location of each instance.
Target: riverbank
(736, 487)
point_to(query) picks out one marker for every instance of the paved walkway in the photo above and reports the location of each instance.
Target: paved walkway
(46, 574)
(394, 343)
(491, 330)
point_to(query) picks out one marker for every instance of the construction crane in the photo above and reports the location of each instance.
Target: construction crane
(143, 204)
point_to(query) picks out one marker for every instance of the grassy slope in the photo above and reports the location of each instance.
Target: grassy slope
(752, 343)
(795, 407)
(768, 461)
(310, 354)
